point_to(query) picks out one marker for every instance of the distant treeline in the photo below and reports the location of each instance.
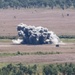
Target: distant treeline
(37, 3)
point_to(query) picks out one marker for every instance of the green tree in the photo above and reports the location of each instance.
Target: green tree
(62, 4)
(30, 70)
(68, 3)
(73, 2)
(50, 70)
(20, 72)
(15, 4)
(46, 70)
(51, 3)
(23, 68)
(1, 3)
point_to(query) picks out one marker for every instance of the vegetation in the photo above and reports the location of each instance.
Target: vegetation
(27, 53)
(18, 69)
(65, 38)
(15, 37)
(68, 40)
(62, 69)
(8, 37)
(36, 3)
(51, 69)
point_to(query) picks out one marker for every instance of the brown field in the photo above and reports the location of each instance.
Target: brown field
(66, 53)
(55, 20)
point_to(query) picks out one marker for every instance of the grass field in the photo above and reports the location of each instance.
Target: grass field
(55, 20)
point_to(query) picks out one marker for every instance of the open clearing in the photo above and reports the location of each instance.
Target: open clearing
(66, 53)
(55, 20)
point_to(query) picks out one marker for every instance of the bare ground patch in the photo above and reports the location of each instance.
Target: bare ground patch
(40, 58)
(67, 53)
(55, 20)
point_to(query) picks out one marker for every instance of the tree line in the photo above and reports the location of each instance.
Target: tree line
(51, 69)
(59, 69)
(18, 69)
(36, 3)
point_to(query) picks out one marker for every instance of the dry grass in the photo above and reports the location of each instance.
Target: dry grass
(55, 20)
(66, 53)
